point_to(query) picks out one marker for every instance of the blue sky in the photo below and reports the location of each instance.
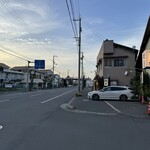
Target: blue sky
(41, 29)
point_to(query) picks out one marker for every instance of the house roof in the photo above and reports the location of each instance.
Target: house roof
(21, 68)
(143, 45)
(25, 68)
(4, 65)
(126, 47)
(46, 71)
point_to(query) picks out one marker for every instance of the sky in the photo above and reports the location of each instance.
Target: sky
(42, 29)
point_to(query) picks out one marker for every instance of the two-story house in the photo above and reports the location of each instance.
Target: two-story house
(9, 78)
(115, 64)
(143, 60)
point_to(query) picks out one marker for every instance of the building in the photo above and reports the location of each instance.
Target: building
(143, 63)
(143, 59)
(33, 78)
(9, 78)
(115, 64)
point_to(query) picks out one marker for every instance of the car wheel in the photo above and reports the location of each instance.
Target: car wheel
(123, 97)
(95, 97)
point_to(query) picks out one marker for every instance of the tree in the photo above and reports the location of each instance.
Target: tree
(136, 82)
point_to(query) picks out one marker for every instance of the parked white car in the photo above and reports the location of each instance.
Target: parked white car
(122, 93)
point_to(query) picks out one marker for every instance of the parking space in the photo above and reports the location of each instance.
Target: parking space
(129, 108)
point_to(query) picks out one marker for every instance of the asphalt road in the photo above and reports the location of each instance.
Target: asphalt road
(35, 121)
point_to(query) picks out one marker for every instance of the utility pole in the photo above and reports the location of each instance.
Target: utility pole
(27, 83)
(80, 30)
(79, 53)
(82, 71)
(28, 73)
(54, 62)
(82, 64)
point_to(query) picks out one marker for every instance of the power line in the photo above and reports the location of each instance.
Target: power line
(15, 15)
(73, 14)
(91, 28)
(11, 51)
(89, 62)
(13, 55)
(71, 20)
(18, 19)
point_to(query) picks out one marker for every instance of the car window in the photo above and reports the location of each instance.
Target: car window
(107, 89)
(118, 88)
(114, 88)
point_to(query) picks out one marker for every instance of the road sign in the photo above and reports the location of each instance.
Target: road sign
(105, 82)
(39, 64)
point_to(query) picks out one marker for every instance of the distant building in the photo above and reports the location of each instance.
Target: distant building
(32, 76)
(115, 64)
(9, 78)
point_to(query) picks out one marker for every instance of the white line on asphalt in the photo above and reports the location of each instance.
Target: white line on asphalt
(57, 96)
(117, 110)
(1, 127)
(5, 100)
(71, 101)
(35, 95)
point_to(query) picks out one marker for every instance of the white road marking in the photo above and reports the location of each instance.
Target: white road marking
(71, 101)
(57, 96)
(115, 109)
(5, 100)
(35, 95)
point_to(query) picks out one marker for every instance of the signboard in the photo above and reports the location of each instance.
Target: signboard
(105, 82)
(39, 64)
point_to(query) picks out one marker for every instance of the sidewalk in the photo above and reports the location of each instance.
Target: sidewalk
(84, 105)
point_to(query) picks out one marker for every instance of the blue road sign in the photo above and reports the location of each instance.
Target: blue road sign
(39, 64)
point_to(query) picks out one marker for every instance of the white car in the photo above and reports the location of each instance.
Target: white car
(122, 93)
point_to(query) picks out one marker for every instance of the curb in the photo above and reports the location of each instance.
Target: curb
(70, 108)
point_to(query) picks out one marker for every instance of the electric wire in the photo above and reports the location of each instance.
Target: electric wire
(11, 51)
(13, 55)
(89, 62)
(71, 20)
(74, 19)
(91, 28)
(19, 20)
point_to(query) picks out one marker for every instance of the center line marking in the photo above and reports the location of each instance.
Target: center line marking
(6, 100)
(117, 110)
(57, 96)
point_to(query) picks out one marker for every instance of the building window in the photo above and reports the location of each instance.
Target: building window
(113, 82)
(108, 62)
(119, 62)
